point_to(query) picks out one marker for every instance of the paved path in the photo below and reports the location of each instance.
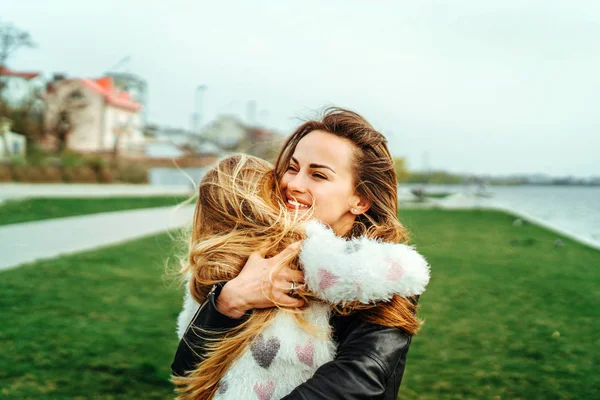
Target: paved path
(27, 190)
(30, 241)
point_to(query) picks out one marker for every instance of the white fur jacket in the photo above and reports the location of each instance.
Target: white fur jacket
(285, 354)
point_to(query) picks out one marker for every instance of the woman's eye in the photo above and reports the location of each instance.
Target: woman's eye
(290, 168)
(319, 176)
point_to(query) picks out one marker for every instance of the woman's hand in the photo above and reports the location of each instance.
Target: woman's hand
(259, 278)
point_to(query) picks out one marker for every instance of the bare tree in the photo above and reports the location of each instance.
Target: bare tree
(67, 118)
(12, 38)
(64, 112)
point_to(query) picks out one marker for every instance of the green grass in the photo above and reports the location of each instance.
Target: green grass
(17, 211)
(502, 320)
(101, 324)
(438, 195)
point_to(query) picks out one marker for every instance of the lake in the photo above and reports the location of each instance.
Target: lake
(572, 209)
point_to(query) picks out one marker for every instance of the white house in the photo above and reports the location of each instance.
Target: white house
(18, 88)
(227, 132)
(94, 116)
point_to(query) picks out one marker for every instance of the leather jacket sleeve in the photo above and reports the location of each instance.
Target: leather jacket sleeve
(190, 350)
(369, 364)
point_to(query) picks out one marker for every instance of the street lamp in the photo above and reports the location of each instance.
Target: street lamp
(197, 115)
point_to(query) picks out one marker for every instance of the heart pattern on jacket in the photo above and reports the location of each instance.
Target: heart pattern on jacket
(326, 279)
(306, 353)
(396, 271)
(264, 351)
(264, 391)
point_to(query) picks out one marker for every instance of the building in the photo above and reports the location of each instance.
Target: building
(232, 135)
(18, 89)
(134, 85)
(227, 132)
(92, 116)
(11, 143)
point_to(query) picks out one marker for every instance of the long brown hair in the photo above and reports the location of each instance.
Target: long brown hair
(375, 180)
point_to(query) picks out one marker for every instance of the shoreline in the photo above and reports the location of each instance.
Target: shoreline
(459, 201)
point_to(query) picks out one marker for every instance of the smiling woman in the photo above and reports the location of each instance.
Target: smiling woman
(337, 170)
(320, 174)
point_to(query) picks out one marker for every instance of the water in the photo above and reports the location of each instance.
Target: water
(574, 209)
(175, 176)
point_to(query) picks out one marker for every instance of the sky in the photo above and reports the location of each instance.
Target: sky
(480, 87)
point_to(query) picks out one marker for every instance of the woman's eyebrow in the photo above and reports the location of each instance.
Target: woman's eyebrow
(315, 165)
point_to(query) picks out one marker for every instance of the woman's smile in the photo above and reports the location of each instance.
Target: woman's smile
(295, 205)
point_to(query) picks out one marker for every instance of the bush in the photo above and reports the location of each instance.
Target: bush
(105, 176)
(71, 159)
(6, 174)
(72, 168)
(96, 163)
(81, 174)
(26, 173)
(16, 161)
(51, 173)
(131, 173)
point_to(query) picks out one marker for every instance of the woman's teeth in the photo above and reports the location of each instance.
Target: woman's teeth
(296, 204)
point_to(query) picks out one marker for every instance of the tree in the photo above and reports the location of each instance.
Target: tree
(63, 114)
(26, 117)
(12, 39)
(401, 171)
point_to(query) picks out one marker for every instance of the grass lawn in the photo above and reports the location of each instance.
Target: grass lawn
(507, 316)
(438, 195)
(99, 324)
(16, 211)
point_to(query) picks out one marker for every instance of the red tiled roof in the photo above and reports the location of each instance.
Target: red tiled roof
(27, 75)
(104, 86)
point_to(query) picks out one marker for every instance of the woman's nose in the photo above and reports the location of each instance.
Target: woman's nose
(296, 184)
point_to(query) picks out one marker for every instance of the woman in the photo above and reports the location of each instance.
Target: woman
(340, 169)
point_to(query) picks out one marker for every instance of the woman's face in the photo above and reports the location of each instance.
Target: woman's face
(320, 174)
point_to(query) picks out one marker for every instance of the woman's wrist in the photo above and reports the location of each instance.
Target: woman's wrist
(230, 304)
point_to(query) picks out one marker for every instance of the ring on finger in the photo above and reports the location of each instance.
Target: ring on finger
(293, 289)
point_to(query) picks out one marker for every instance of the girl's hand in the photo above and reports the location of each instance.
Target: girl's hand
(259, 278)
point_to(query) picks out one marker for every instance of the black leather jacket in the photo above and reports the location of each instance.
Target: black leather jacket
(369, 363)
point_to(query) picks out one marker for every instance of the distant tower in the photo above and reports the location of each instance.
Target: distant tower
(426, 167)
(251, 112)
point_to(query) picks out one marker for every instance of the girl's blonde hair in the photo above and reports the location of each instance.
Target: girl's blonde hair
(237, 212)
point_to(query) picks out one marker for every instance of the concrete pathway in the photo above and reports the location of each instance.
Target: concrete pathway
(27, 190)
(31, 241)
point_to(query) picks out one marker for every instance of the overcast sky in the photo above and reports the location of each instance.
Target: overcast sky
(490, 87)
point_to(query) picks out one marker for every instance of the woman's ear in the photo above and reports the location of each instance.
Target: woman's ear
(359, 205)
